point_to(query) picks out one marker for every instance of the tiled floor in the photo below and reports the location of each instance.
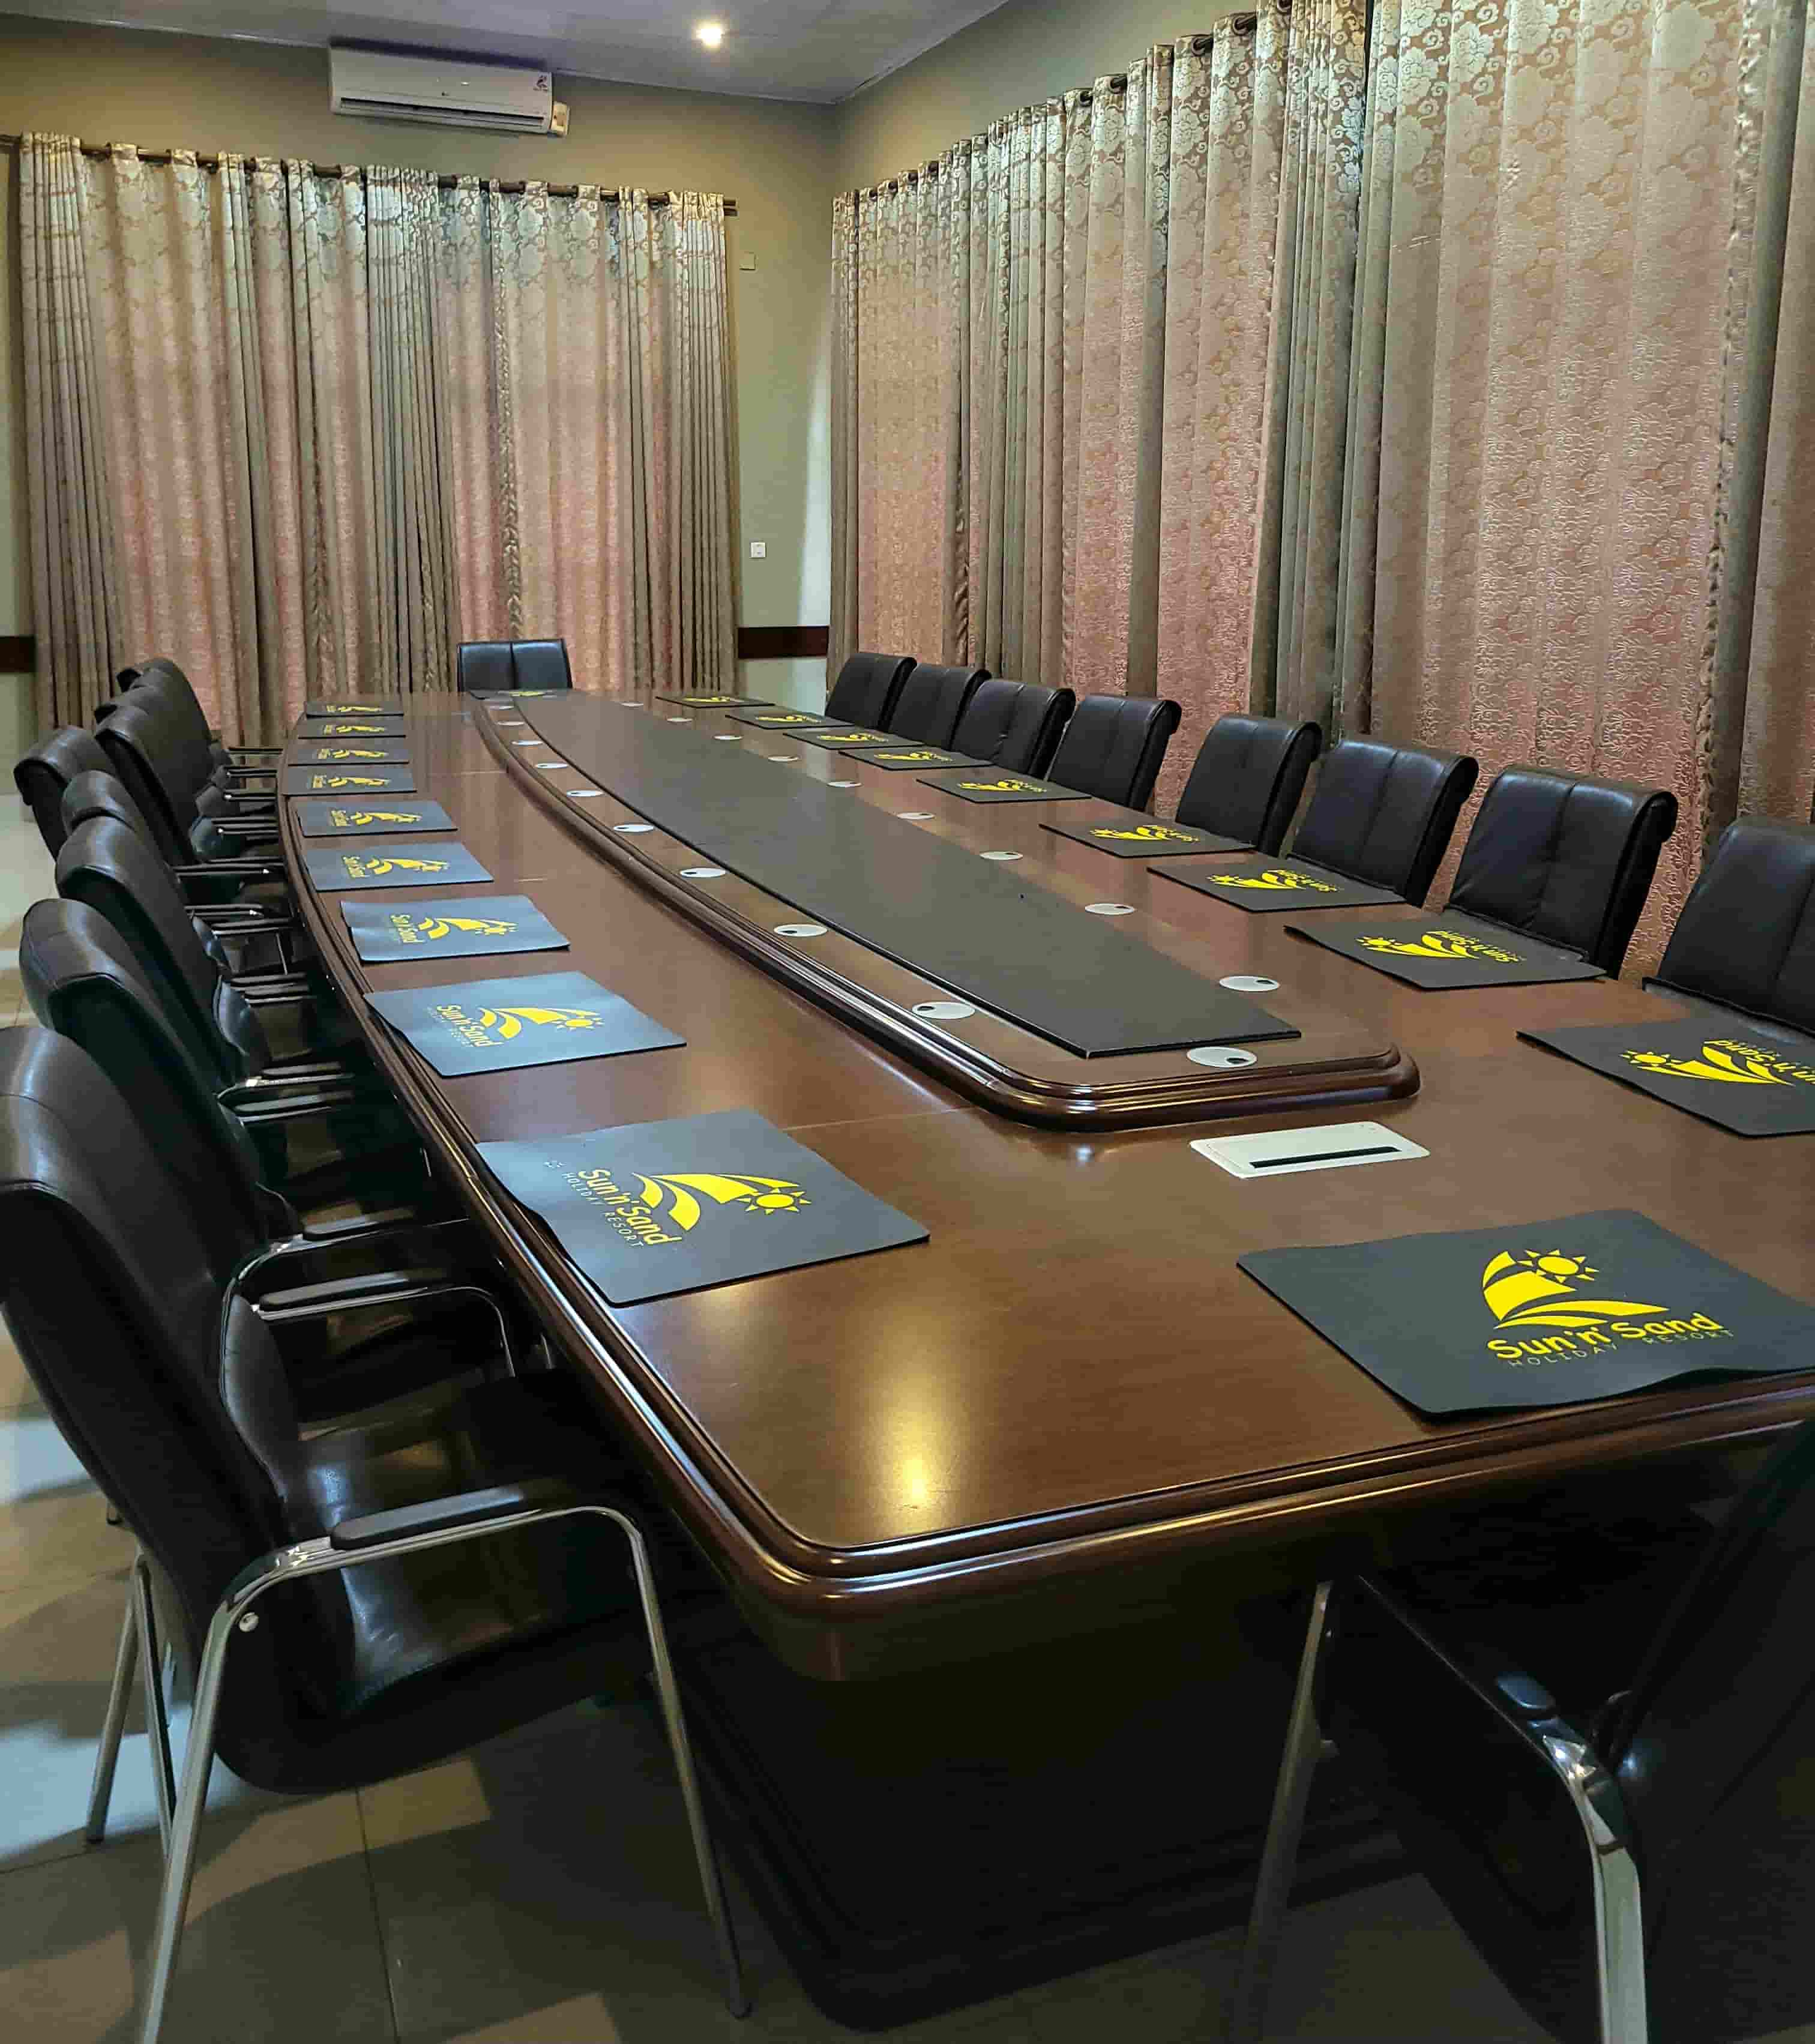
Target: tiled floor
(537, 1892)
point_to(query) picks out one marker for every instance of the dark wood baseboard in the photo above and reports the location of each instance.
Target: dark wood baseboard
(783, 642)
(18, 653)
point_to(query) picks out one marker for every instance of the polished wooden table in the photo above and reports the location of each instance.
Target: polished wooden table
(1069, 1408)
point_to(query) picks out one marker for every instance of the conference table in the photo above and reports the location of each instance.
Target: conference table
(987, 1509)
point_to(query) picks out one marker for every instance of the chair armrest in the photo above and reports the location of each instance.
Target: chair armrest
(470, 1510)
(382, 1244)
(251, 751)
(334, 1295)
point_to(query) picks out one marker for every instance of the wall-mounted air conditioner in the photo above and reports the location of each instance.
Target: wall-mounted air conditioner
(457, 92)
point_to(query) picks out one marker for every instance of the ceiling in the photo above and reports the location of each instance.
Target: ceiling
(821, 50)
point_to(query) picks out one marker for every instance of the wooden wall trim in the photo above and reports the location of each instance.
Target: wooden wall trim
(783, 642)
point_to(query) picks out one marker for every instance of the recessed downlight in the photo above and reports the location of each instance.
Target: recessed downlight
(711, 33)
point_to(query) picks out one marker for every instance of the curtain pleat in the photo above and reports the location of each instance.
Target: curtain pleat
(304, 430)
(74, 579)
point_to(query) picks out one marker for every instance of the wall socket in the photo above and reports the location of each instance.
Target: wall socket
(759, 550)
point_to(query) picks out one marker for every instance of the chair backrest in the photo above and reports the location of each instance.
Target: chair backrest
(149, 755)
(1746, 936)
(867, 686)
(102, 793)
(1015, 725)
(42, 774)
(1564, 857)
(931, 700)
(1710, 1746)
(1114, 746)
(1248, 777)
(1384, 814)
(82, 981)
(112, 869)
(514, 663)
(180, 1419)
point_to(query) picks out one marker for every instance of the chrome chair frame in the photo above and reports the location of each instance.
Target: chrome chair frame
(1619, 1922)
(480, 1513)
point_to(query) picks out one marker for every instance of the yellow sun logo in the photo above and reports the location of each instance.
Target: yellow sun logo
(1537, 1289)
(442, 926)
(681, 1191)
(1277, 878)
(1443, 944)
(510, 1021)
(1000, 787)
(382, 816)
(398, 865)
(1148, 834)
(1736, 1064)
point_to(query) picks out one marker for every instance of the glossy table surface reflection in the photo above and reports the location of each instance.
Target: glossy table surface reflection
(1071, 1378)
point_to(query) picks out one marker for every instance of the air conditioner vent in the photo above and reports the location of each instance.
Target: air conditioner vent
(453, 92)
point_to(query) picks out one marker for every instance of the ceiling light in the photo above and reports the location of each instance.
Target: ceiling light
(711, 33)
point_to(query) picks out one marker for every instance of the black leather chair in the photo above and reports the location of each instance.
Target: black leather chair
(1114, 746)
(1015, 725)
(231, 765)
(168, 778)
(1384, 814)
(496, 664)
(1746, 936)
(170, 1389)
(219, 1016)
(1565, 858)
(931, 700)
(42, 775)
(228, 1148)
(867, 686)
(1248, 777)
(246, 904)
(1594, 1744)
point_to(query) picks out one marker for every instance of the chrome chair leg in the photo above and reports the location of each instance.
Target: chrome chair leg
(1619, 1916)
(1278, 1856)
(192, 1799)
(107, 1754)
(737, 1997)
(157, 1720)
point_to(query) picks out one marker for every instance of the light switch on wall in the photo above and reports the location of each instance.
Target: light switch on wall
(759, 550)
(746, 262)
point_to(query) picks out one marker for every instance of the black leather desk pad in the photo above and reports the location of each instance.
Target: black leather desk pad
(662, 1207)
(1554, 1312)
(933, 905)
(504, 1025)
(1137, 836)
(356, 819)
(1445, 949)
(1263, 886)
(469, 926)
(714, 702)
(1751, 1077)
(357, 753)
(349, 781)
(785, 719)
(348, 706)
(435, 864)
(993, 785)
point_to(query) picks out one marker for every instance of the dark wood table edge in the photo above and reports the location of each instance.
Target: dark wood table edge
(970, 1072)
(832, 1588)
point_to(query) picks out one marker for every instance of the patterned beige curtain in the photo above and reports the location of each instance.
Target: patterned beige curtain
(1761, 736)
(590, 452)
(305, 430)
(1152, 281)
(1550, 193)
(75, 580)
(900, 257)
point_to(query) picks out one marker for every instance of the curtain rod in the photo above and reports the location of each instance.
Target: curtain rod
(1117, 82)
(210, 160)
